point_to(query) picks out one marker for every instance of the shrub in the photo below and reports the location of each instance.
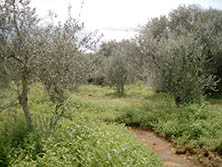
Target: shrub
(184, 69)
(12, 135)
(86, 141)
(193, 125)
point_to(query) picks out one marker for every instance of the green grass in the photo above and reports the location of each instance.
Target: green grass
(81, 137)
(92, 132)
(85, 141)
(196, 126)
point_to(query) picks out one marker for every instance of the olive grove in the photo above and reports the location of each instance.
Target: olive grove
(182, 52)
(52, 54)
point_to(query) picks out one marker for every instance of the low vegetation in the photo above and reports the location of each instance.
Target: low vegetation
(80, 138)
(195, 126)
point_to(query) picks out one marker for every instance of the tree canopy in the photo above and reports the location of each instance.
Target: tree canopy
(52, 54)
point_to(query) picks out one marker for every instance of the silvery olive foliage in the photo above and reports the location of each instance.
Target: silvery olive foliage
(105, 51)
(106, 48)
(53, 54)
(119, 68)
(20, 43)
(183, 70)
(65, 65)
(181, 50)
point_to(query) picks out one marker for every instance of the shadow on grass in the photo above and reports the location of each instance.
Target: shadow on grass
(215, 99)
(115, 95)
(159, 97)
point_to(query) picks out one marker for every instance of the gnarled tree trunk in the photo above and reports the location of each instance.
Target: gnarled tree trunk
(23, 101)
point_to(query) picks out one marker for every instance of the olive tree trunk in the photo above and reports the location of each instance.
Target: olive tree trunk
(23, 101)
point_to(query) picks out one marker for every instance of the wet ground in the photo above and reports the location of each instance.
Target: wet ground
(161, 147)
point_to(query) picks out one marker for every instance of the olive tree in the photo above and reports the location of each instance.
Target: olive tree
(105, 51)
(184, 69)
(119, 66)
(20, 43)
(180, 50)
(211, 35)
(179, 65)
(106, 48)
(4, 77)
(117, 72)
(205, 24)
(64, 64)
(50, 54)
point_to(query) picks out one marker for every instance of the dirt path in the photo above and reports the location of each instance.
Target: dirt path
(162, 147)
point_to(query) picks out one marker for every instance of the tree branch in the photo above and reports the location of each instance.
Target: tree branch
(16, 58)
(12, 104)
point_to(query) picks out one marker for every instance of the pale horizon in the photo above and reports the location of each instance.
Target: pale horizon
(116, 19)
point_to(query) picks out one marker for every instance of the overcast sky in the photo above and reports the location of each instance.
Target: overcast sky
(116, 19)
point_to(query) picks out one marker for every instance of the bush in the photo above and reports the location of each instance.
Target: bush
(85, 141)
(193, 125)
(12, 135)
(184, 69)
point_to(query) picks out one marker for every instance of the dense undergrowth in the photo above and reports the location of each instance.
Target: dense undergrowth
(92, 132)
(81, 137)
(197, 126)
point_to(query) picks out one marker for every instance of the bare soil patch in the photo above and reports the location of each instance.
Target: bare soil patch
(163, 148)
